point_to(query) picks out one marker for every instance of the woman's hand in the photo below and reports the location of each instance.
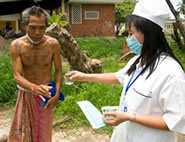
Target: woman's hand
(152, 121)
(108, 78)
(116, 118)
(75, 76)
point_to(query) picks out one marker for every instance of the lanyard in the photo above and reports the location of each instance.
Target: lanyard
(132, 81)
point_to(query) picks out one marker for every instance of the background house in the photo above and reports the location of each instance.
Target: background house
(91, 17)
(86, 17)
(13, 19)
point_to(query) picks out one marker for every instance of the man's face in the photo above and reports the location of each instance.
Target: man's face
(36, 27)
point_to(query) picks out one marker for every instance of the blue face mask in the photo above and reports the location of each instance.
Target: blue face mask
(134, 45)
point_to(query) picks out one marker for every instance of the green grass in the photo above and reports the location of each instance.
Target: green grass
(107, 50)
(7, 83)
(101, 47)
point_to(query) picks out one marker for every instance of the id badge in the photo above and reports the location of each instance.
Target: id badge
(124, 106)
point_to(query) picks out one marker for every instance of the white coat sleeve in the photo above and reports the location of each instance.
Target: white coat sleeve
(120, 75)
(172, 102)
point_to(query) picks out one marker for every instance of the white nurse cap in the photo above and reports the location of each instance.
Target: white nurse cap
(156, 11)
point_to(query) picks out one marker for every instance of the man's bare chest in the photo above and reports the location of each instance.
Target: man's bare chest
(36, 57)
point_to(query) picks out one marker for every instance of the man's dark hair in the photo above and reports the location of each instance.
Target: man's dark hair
(154, 44)
(33, 11)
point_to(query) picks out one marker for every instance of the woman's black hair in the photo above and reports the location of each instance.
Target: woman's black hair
(154, 44)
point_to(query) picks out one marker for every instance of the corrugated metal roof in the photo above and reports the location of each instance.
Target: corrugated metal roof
(96, 1)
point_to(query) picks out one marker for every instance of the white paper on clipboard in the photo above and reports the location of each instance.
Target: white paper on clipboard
(92, 114)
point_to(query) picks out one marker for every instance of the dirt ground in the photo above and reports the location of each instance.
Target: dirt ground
(67, 135)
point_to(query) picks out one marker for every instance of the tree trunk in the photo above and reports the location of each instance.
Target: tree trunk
(71, 51)
(178, 21)
(176, 36)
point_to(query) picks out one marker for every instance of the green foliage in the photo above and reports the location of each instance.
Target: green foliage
(101, 47)
(7, 83)
(59, 19)
(123, 9)
(179, 53)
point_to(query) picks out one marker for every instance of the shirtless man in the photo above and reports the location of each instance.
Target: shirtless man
(32, 58)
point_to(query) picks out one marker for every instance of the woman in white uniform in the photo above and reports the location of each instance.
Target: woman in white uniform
(153, 97)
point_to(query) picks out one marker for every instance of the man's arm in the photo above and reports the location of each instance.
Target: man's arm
(58, 67)
(18, 72)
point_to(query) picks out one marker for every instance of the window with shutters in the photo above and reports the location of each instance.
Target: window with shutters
(91, 15)
(76, 14)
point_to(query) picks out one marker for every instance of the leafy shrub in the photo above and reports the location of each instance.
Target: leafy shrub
(7, 83)
(101, 47)
(59, 19)
(123, 9)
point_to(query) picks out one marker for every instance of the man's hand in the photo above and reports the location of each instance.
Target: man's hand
(42, 90)
(52, 102)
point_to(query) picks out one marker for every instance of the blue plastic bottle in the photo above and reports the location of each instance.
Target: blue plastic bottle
(52, 92)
